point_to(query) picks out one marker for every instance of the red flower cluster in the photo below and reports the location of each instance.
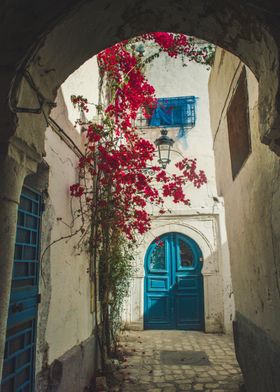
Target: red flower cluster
(94, 132)
(188, 167)
(181, 44)
(120, 170)
(79, 101)
(76, 190)
(132, 90)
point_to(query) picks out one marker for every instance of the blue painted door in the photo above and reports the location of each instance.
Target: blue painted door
(18, 370)
(174, 284)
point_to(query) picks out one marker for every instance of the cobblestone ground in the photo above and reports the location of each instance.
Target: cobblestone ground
(145, 368)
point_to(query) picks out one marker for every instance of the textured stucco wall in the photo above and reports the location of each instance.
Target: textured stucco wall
(64, 320)
(171, 79)
(84, 81)
(252, 209)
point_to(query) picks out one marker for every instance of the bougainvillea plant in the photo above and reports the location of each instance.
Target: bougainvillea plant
(115, 154)
(118, 177)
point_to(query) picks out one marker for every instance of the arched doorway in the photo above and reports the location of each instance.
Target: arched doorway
(56, 45)
(173, 284)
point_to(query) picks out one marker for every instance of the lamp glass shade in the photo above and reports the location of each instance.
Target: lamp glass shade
(164, 154)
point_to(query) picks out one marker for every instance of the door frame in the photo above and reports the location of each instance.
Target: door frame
(205, 231)
(172, 269)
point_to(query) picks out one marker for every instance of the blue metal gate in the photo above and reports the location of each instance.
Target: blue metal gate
(174, 296)
(19, 360)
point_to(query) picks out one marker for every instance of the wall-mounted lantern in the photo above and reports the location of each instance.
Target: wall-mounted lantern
(164, 144)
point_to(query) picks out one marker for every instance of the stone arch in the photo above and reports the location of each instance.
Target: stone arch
(70, 35)
(190, 231)
(213, 311)
(49, 40)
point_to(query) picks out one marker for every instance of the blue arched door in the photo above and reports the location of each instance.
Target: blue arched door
(174, 284)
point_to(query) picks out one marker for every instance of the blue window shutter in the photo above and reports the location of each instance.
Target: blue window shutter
(175, 112)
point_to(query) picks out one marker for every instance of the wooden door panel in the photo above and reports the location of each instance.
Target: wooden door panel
(158, 283)
(174, 284)
(158, 314)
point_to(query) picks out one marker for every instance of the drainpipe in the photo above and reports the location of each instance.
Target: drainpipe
(14, 166)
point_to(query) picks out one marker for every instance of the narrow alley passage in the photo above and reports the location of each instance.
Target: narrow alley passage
(169, 361)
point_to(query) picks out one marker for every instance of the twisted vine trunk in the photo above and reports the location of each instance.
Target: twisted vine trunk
(107, 224)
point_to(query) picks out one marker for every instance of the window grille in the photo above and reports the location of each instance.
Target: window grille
(174, 112)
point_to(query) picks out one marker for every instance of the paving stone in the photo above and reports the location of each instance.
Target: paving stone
(198, 387)
(204, 379)
(218, 390)
(145, 372)
(211, 385)
(179, 378)
(182, 386)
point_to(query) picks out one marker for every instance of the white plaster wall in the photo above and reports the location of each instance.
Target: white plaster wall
(251, 200)
(171, 79)
(84, 81)
(204, 221)
(224, 258)
(69, 321)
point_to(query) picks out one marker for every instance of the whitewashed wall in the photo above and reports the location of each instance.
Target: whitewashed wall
(65, 319)
(205, 217)
(204, 220)
(84, 81)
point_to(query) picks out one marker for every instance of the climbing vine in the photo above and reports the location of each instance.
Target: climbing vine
(118, 179)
